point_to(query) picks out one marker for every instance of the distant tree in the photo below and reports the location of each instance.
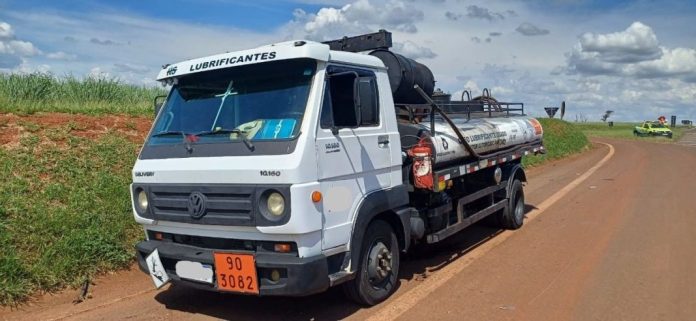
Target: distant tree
(606, 115)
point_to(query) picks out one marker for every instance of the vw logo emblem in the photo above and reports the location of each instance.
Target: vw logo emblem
(196, 205)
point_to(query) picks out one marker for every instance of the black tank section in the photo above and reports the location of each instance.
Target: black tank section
(404, 73)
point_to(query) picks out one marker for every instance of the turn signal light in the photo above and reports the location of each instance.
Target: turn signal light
(158, 236)
(316, 196)
(282, 247)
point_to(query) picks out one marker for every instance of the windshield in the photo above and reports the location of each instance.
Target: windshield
(658, 125)
(261, 102)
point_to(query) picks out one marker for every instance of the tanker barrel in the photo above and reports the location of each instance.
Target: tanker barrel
(403, 74)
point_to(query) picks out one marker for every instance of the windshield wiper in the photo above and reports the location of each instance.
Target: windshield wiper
(169, 133)
(241, 133)
(187, 142)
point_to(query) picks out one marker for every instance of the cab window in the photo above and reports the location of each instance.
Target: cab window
(341, 106)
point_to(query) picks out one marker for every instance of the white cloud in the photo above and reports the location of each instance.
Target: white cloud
(99, 73)
(413, 50)
(679, 62)
(361, 16)
(13, 52)
(634, 52)
(637, 43)
(477, 12)
(529, 29)
(27, 68)
(60, 55)
(6, 31)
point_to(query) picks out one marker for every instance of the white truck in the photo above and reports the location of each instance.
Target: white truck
(297, 166)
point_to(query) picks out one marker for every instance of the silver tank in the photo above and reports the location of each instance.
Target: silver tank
(484, 135)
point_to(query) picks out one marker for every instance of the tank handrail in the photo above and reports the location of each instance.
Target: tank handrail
(458, 132)
(468, 95)
(468, 107)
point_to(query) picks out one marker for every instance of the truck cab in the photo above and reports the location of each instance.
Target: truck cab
(266, 152)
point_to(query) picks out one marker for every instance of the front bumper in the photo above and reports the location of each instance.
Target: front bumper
(299, 276)
(669, 134)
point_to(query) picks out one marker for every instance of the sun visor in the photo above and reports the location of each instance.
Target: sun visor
(275, 52)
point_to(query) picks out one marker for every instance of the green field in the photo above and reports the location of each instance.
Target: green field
(64, 210)
(30, 93)
(624, 131)
(561, 139)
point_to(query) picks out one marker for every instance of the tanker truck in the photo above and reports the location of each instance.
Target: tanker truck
(298, 166)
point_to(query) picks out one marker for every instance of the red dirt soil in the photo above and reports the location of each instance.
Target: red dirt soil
(133, 127)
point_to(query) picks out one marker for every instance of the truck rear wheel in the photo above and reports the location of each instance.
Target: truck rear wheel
(378, 269)
(512, 217)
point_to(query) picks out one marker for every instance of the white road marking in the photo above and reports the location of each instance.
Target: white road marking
(398, 306)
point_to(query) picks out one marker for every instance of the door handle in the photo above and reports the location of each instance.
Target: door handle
(383, 141)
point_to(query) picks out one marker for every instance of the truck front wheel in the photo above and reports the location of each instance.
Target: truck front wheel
(378, 269)
(512, 217)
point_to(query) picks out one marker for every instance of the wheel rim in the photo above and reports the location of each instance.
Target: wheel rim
(379, 264)
(519, 207)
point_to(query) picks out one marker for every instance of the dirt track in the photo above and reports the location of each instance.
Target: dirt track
(619, 246)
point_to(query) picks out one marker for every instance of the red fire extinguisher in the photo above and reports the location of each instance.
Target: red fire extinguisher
(422, 165)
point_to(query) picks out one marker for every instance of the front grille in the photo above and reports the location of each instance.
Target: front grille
(224, 205)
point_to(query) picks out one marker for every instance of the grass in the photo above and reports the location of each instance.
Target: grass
(39, 92)
(65, 213)
(561, 139)
(625, 131)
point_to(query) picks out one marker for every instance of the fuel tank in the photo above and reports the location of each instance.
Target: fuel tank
(484, 135)
(404, 73)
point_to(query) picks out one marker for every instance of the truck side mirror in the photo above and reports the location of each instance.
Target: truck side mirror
(158, 102)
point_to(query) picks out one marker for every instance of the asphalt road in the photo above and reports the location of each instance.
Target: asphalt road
(615, 243)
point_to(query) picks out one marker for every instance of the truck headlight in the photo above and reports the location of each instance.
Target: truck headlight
(272, 205)
(275, 204)
(141, 200)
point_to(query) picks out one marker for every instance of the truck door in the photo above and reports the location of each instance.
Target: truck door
(353, 149)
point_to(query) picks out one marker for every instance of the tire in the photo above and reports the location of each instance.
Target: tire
(635, 133)
(377, 278)
(512, 217)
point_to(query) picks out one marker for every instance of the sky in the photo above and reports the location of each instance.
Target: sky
(637, 58)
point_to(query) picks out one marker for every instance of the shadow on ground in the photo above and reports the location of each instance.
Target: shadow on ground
(331, 305)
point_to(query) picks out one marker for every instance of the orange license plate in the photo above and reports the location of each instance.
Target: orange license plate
(236, 273)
